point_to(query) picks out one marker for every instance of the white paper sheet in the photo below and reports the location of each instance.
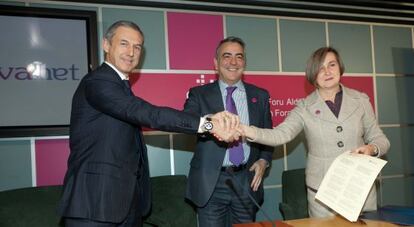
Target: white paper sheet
(347, 183)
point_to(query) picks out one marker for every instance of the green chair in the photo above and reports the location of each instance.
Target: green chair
(294, 203)
(34, 207)
(169, 208)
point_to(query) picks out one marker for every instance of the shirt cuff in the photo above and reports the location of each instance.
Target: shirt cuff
(202, 121)
(376, 151)
(255, 133)
(200, 126)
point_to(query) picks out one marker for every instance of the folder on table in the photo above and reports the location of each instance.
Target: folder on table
(400, 215)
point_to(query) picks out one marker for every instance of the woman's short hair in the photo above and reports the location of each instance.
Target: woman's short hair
(316, 61)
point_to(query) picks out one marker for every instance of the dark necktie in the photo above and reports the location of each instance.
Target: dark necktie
(236, 154)
(126, 82)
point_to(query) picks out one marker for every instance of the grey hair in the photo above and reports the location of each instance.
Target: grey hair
(230, 39)
(110, 32)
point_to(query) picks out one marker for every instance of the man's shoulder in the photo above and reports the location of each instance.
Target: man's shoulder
(255, 88)
(104, 68)
(204, 87)
(102, 72)
(355, 94)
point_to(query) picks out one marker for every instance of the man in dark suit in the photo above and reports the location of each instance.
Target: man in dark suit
(222, 174)
(107, 181)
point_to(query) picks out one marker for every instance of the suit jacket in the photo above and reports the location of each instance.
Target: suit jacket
(108, 156)
(205, 166)
(328, 136)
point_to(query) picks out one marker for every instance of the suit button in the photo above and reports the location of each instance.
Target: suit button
(339, 129)
(340, 144)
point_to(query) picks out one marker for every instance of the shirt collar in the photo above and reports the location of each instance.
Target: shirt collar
(223, 86)
(121, 75)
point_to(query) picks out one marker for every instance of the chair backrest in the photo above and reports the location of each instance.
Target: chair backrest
(34, 207)
(169, 208)
(294, 195)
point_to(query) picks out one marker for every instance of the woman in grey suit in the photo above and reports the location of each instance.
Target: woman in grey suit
(334, 118)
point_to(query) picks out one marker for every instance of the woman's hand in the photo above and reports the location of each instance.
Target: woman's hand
(247, 131)
(368, 149)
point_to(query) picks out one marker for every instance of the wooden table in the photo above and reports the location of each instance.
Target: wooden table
(336, 221)
(263, 224)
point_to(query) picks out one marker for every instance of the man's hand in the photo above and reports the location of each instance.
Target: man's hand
(225, 125)
(227, 120)
(223, 134)
(259, 167)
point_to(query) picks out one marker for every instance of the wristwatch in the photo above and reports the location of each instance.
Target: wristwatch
(208, 125)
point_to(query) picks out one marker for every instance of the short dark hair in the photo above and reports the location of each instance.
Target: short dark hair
(110, 32)
(315, 62)
(230, 39)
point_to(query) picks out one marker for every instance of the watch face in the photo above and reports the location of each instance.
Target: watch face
(208, 125)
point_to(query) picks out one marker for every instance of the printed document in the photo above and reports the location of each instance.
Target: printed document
(347, 183)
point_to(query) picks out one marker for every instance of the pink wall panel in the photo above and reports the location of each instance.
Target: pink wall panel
(192, 40)
(167, 89)
(285, 92)
(51, 158)
(364, 84)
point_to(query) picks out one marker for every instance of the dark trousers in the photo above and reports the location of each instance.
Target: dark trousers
(78, 222)
(133, 219)
(229, 203)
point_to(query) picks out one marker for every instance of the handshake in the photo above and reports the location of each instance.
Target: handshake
(227, 127)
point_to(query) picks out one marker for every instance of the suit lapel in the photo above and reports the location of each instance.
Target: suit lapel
(213, 94)
(115, 77)
(252, 105)
(319, 109)
(349, 105)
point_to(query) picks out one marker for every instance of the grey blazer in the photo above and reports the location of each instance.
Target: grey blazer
(328, 136)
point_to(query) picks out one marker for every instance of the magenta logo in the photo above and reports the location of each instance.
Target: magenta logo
(39, 71)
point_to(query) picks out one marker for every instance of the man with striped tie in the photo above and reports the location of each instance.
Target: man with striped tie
(222, 174)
